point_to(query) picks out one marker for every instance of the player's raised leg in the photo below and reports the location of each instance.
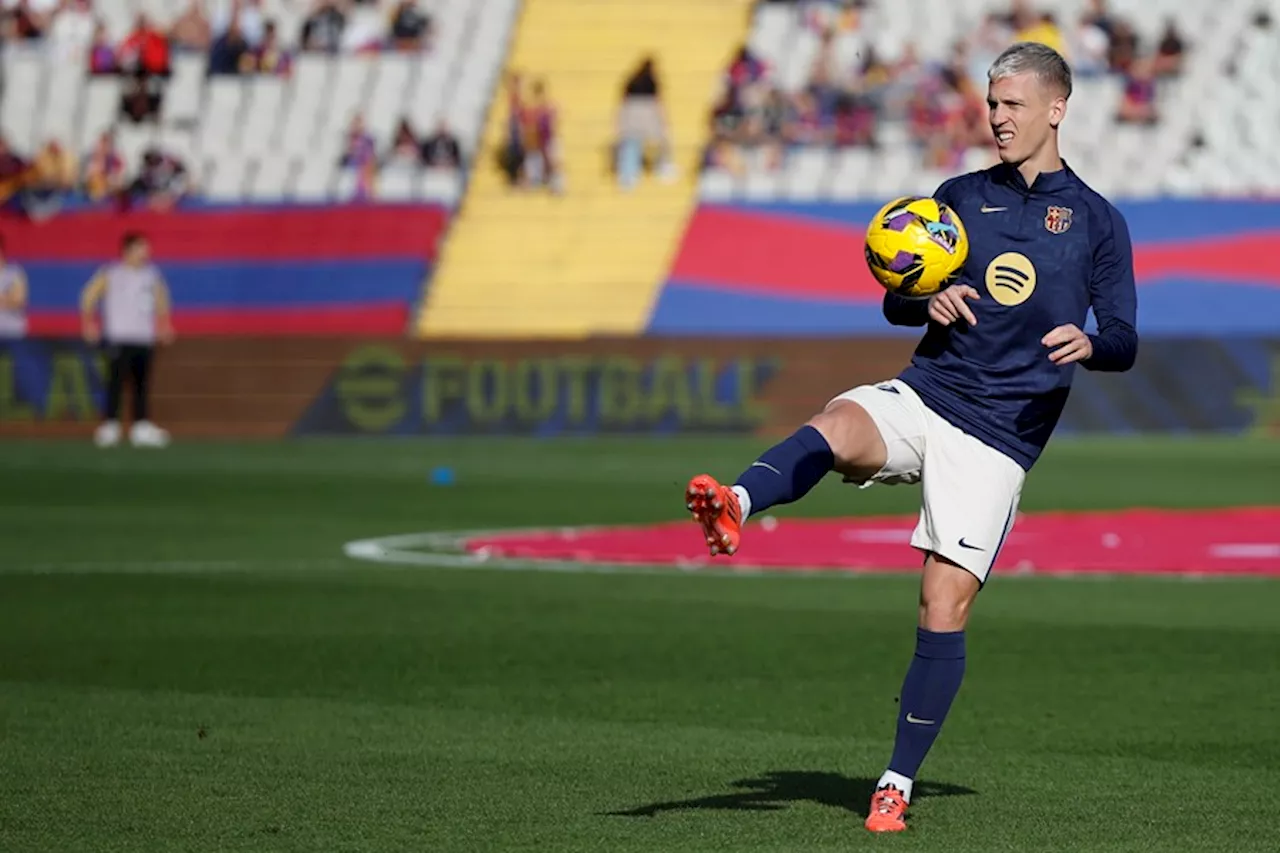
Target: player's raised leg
(843, 438)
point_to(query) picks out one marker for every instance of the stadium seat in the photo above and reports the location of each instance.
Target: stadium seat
(716, 185)
(23, 95)
(272, 174)
(441, 185)
(182, 95)
(225, 179)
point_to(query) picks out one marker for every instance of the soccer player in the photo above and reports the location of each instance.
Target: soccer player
(134, 304)
(983, 392)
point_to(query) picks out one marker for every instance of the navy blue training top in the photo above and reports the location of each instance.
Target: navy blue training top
(1040, 257)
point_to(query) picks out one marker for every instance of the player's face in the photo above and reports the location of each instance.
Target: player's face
(1023, 113)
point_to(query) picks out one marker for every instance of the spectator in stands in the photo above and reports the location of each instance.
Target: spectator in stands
(192, 31)
(511, 155)
(1030, 25)
(1169, 51)
(13, 298)
(410, 27)
(246, 15)
(361, 156)
(143, 58)
(986, 43)
(642, 127)
(1097, 15)
(854, 121)
(323, 29)
(827, 79)
(29, 19)
(230, 53)
(270, 57)
(805, 125)
(1138, 103)
(746, 69)
(874, 72)
(1124, 47)
(1090, 46)
(13, 171)
(441, 150)
(406, 149)
(145, 52)
(542, 140)
(71, 33)
(842, 15)
(50, 180)
(162, 182)
(104, 169)
(727, 121)
(140, 98)
(102, 55)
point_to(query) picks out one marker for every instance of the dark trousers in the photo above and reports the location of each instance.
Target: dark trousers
(132, 361)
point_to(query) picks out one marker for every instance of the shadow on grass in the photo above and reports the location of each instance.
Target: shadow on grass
(778, 789)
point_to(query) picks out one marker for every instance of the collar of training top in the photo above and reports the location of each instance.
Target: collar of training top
(1046, 182)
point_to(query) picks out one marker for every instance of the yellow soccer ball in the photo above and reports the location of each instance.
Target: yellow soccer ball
(916, 246)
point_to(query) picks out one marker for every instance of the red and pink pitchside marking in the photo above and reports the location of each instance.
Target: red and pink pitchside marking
(1217, 542)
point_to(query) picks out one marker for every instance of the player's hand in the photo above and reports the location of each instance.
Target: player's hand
(1068, 344)
(165, 333)
(92, 334)
(948, 305)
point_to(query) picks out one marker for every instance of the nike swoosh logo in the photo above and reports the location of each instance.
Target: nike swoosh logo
(964, 544)
(986, 209)
(912, 718)
(758, 464)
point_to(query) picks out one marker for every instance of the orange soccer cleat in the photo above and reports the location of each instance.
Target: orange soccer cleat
(888, 811)
(716, 509)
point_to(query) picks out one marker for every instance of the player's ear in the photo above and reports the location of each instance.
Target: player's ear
(1057, 111)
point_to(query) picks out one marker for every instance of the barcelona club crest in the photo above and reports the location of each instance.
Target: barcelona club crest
(1057, 220)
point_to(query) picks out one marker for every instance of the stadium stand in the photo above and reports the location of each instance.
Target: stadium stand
(1205, 135)
(258, 137)
(531, 263)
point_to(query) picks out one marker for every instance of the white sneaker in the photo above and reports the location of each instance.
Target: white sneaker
(107, 434)
(147, 434)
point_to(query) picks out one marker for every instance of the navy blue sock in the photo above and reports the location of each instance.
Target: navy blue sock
(787, 471)
(932, 681)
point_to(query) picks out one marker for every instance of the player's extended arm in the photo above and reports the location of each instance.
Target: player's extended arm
(1114, 299)
(89, 300)
(901, 311)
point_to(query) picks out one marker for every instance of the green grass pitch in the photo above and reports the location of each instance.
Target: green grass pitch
(188, 663)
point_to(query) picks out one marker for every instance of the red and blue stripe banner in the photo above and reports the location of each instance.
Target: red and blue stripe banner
(344, 270)
(1204, 267)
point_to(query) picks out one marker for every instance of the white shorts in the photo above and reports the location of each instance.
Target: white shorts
(971, 490)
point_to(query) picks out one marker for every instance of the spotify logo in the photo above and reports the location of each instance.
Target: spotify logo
(1011, 279)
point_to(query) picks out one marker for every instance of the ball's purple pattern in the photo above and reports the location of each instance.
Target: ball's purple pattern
(902, 262)
(900, 222)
